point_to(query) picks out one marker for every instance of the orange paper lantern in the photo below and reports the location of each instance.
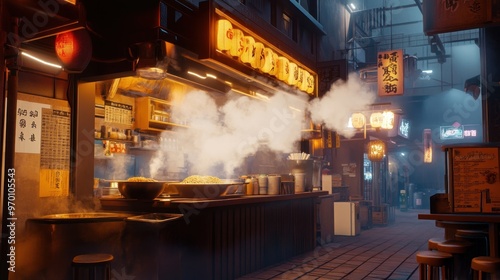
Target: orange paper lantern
(376, 119)
(257, 55)
(237, 43)
(224, 34)
(74, 50)
(267, 63)
(248, 46)
(376, 150)
(283, 68)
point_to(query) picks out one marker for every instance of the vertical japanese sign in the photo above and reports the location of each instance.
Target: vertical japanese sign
(390, 73)
(452, 15)
(29, 126)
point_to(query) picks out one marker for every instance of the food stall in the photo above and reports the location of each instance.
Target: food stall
(123, 119)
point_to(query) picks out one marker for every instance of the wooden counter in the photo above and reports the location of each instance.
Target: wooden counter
(230, 237)
(492, 220)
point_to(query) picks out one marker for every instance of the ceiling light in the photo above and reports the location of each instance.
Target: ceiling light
(353, 7)
(41, 60)
(427, 71)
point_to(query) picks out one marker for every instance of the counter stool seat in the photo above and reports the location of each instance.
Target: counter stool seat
(454, 246)
(461, 251)
(433, 242)
(92, 266)
(482, 264)
(430, 261)
(479, 239)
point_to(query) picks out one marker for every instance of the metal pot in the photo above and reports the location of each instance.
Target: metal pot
(140, 190)
(50, 242)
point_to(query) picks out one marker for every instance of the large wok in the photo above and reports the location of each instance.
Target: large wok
(140, 190)
(205, 191)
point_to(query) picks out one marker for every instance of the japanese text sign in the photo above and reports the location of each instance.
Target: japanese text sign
(390, 73)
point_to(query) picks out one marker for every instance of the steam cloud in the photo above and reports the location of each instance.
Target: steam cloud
(219, 138)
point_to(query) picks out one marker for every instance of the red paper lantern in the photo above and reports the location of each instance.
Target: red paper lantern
(74, 50)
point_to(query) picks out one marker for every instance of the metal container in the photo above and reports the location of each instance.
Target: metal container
(140, 190)
(50, 242)
(303, 166)
(205, 191)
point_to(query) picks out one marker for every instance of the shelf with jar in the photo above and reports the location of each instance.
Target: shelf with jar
(154, 114)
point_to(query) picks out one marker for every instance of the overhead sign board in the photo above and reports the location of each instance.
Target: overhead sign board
(390, 73)
(442, 16)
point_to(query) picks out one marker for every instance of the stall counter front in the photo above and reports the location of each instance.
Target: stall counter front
(231, 237)
(491, 220)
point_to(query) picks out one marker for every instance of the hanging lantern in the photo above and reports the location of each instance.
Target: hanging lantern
(305, 77)
(376, 150)
(257, 55)
(376, 119)
(74, 50)
(388, 120)
(294, 74)
(358, 120)
(248, 47)
(224, 34)
(267, 63)
(283, 68)
(310, 84)
(236, 48)
(274, 65)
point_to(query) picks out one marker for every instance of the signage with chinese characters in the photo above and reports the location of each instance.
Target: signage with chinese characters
(29, 126)
(404, 128)
(390, 73)
(442, 16)
(262, 56)
(451, 132)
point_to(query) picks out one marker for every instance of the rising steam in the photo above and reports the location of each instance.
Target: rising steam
(219, 138)
(337, 105)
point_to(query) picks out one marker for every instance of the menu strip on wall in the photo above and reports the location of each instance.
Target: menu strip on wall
(55, 153)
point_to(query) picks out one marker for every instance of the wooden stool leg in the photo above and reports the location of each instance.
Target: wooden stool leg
(421, 272)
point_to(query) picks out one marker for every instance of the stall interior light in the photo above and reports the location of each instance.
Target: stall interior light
(203, 77)
(262, 96)
(353, 7)
(427, 71)
(151, 73)
(23, 53)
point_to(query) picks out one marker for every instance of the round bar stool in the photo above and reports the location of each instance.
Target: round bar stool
(479, 239)
(461, 251)
(429, 261)
(433, 242)
(92, 267)
(481, 265)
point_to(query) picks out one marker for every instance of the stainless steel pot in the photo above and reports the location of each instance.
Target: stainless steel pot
(140, 190)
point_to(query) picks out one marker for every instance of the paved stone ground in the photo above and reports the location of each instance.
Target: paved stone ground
(381, 252)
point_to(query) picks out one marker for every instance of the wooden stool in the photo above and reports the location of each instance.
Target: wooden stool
(479, 239)
(433, 242)
(92, 267)
(461, 255)
(481, 265)
(428, 261)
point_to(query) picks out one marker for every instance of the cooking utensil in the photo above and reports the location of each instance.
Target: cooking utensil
(205, 191)
(140, 190)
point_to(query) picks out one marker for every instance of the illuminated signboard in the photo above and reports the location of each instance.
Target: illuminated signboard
(404, 128)
(453, 15)
(390, 73)
(261, 56)
(451, 132)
